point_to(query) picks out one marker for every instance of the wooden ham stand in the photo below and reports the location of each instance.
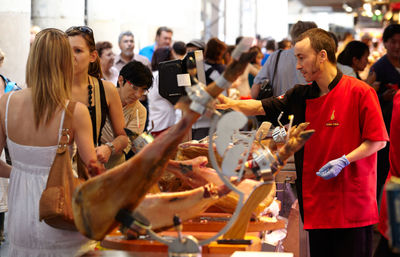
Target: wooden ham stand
(201, 227)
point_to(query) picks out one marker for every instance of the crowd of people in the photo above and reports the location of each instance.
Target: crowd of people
(339, 175)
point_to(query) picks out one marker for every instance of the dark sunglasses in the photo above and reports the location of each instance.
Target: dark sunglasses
(83, 29)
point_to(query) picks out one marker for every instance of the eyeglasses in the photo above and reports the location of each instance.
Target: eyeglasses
(141, 90)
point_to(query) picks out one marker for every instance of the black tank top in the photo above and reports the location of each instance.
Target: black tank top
(104, 114)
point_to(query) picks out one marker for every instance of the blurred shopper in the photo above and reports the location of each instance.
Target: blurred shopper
(347, 38)
(284, 44)
(384, 76)
(163, 39)
(355, 55)
(34, 30)
(3, 181)
(242, 83)
(286, 75)
(346, 70)
(213, 67)
(126, 43)
(228, 54)
(383, 249)
(31, 121)
(195, 44)
(270, 48)
(256, 62)
(87, 70)
(134, 81)
(179, 50)
(104, 50)
(162, 113)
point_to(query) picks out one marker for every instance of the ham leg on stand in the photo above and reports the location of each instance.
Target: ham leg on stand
(97, 201)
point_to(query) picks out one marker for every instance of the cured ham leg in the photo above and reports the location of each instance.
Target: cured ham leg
(160, 208)
(194, 172)
(97, 201)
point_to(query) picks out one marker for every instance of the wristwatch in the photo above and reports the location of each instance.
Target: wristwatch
(112, 147)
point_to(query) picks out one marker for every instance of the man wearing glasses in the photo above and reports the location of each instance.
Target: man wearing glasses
(134, 80)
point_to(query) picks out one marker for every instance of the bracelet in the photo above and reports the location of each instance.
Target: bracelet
(111, 146)
(221, 82)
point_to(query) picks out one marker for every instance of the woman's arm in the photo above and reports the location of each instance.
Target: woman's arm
(117, 122)
(253, 70)
(83, 134)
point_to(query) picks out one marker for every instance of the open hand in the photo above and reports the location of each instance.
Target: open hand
(333, 168)
(224, 102)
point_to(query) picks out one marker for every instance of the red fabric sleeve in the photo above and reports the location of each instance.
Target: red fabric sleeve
(372, 124)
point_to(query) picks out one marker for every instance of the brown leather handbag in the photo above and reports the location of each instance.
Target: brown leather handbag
(55, 206)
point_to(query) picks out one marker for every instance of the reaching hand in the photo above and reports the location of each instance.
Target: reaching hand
(223, 102)
(333, 168)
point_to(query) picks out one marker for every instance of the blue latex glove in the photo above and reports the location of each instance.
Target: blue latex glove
(333, 168)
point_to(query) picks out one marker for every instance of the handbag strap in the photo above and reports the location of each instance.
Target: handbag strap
(97, 107)
(276, 66)
(65, 138)
(66, 128)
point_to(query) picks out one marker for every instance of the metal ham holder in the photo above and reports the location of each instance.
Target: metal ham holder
(235, 146)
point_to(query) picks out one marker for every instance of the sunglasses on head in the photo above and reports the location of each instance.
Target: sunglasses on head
(83, 29)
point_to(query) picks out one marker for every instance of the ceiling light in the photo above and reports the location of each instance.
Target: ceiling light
(367, 7)
(347, 7)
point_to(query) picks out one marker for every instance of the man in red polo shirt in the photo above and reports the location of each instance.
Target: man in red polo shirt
(336, 169)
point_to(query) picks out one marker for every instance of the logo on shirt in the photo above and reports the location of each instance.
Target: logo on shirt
(332, 122)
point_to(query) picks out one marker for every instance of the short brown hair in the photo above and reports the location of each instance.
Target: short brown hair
(215, 49)
(320, 40)
(101, 46)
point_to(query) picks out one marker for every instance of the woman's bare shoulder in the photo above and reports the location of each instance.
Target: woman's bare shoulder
(110, 90)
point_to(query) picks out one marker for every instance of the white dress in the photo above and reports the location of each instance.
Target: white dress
(27, 235)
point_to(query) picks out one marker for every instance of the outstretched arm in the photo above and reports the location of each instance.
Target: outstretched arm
(247, 107)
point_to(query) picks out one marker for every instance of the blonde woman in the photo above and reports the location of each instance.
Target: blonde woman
(30, 123)
(87, 73)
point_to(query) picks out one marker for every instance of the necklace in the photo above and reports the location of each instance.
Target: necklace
(90, 92)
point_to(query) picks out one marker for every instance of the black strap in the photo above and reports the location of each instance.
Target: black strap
(275, 68)
(104, 109)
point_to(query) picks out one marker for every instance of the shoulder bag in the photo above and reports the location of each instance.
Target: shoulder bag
(266, 90)
(55, 206)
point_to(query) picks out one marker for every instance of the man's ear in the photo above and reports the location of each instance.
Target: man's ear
(120, 81)
(323, 55)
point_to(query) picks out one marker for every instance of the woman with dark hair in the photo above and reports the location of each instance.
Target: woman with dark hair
(162, 113)
(104, 50)
(88, 88)
(355, 55)
(213, 67)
